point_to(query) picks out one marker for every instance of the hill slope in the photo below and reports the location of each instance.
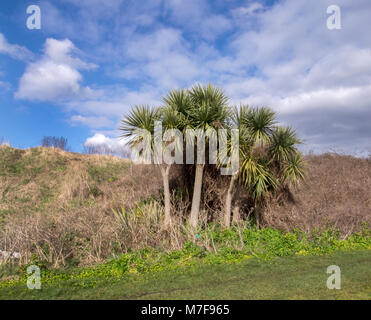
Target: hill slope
(60, 206)
(336, 192)
(42, 179)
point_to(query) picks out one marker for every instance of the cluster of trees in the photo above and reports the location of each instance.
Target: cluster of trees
(268, 155)
(55, 142)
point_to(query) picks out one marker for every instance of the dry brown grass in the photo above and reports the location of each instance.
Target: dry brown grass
(59, 206)
(336, 193)
(89, 236)
(60, 180)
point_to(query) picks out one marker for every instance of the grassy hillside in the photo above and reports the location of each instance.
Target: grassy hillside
(75, 209)
(42, 179)
(93, 221)
(336, 191)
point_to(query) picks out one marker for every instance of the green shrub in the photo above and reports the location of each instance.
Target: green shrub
(106, 173)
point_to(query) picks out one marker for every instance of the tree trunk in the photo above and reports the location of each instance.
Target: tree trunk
(165, 179)
(196, 199)
(228, 202)
(258, 215)
(236, 214)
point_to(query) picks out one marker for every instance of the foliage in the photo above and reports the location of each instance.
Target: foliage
(106, 173)
(233, 246)
(269, 158)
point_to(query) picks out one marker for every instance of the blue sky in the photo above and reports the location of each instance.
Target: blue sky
(91, 60)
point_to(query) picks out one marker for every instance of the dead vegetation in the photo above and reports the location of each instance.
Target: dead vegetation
(65, 208)
(336, 193)
(49, 179)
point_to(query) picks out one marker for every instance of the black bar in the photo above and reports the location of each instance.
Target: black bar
(190, 309)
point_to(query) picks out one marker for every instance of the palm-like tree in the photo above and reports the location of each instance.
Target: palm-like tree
(287, 161)
(208, 110)
(201, 107)
(178, 100)
(269, 158)
(139, 125)
(135, 126)
(171, 119)
(268, 155)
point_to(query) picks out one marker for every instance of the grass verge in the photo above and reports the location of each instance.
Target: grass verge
(293, 277)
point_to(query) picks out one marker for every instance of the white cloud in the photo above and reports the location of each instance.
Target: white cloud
(318, 80)
(56, 75)
(348, 66)
(198, 18)
(248, 10)
(162, 57)
(114, 102)
(333, 100)
(92, 122)
(103, 144)
(282, 56)
(14, 50)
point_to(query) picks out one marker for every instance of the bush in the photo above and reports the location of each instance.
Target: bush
(90, 236)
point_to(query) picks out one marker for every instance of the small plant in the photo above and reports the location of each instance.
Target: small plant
(145, 213)
(106, 173)
(95, 191)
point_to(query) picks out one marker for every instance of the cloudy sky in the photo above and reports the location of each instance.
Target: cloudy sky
(91, 60)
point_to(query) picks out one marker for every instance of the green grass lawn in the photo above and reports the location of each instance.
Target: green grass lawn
(295, 277)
